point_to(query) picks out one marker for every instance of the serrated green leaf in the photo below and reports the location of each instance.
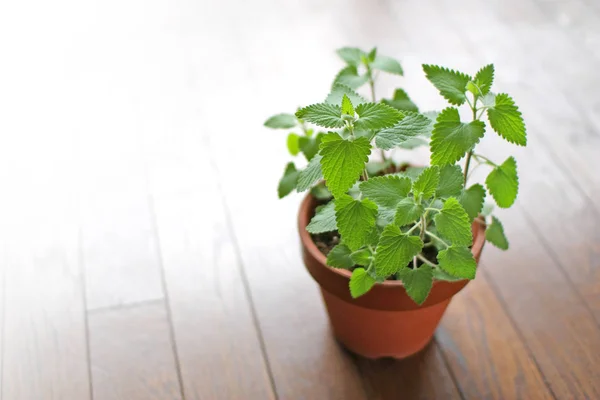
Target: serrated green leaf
(495, 234)
(310, 175)
(281, 121)
(484, 79)
(337, 93)
(351, 55)
(505, 118)
(309, 146)
(292, 144)
(412, 125)
(288, 181)
(472, 200)
(451, 182)
(324, 219)
(458, 261)
(417, 282)
(343, 161)
(319, 191)
(355, 220)
(349, 77)
(503, 183)
(395, 250)
(451, 84)
(440, 275)
(376, 116)
(322, 114)
(401, 101)
(427, 182)
(339, 257)
(452, 139)
(453, 223)
(360, 282)
(362, 257)
(387, 64)
(386, 191)
(407, 211)
(347, 107)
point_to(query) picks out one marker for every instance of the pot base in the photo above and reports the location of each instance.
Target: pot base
(377, 334)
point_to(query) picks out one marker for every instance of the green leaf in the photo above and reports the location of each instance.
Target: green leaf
(387, 64)
(319, 191)
(309, 175)
(395, 250)
(324, 219)
(412, 125)
(372, 54)
(505, 118)
(337, 93)
(441, 275)
(347, 107)
(427, 182)
(484, 79)
(343, 161)
(339, 257)
(355, 220)
(386, 191)
(351, 55)
(322, 114)
(495, 234)
(292, 144)
(310, 145)
(288, 181)
(451, 181)
(401, 102)
(452, 139)
(503, 183)
(360, 282)
(407, 211)
(349, 77)
(376, 116)
(362, 257)
(451, 84)
(417, 282)
(472, 200)
(281, 121)
(453, 223)
(458, 261)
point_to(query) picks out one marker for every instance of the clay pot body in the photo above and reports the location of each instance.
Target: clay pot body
(385, 322)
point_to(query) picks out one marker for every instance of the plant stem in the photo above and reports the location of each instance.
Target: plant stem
(365, 175)
(431, 209)
(415, 262)
(470, 153)
(423, 227)
(426, 261)
(487, 160)
(437, 238)
(373, 98)
(415, 226)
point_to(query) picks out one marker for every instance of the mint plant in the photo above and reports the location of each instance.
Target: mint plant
(412, 224)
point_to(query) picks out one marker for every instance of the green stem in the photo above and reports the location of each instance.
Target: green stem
(431, 209)
(365, 175)
(437, 238)
(415, 226)
(426, 261)
(415, 262)
(487, 160)
(423, 227)
(470, 153)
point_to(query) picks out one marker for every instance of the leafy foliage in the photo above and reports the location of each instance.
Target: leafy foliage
(385, 213)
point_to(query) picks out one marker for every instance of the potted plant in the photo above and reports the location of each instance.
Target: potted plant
(390, 243)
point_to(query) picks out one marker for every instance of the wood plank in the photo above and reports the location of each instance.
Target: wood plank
(298, 340)
(218, 344)
(422, 376)
(486, 354)
(132, 355)
(549, 306)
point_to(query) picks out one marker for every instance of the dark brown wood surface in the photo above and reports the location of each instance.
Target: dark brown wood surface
(144, 253)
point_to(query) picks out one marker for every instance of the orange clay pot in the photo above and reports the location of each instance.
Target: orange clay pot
(385, 322)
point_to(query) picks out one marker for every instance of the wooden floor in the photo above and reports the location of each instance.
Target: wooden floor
(145, 254)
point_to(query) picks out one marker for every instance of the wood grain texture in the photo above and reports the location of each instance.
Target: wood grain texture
(485, 352)
(423, 376)
(131, 354)
(217, 340)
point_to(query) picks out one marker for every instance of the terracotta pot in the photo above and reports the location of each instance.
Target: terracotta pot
(385, 322)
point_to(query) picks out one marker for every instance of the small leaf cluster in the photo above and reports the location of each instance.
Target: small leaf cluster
(411, 224)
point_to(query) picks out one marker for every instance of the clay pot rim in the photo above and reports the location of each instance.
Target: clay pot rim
(304, 219)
